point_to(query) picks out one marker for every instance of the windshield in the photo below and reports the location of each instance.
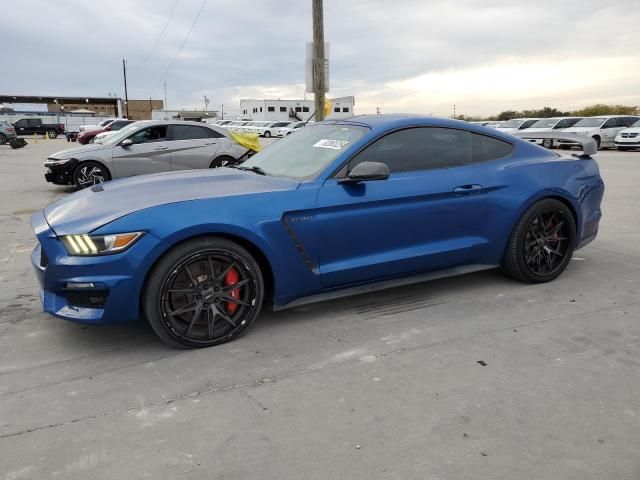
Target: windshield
(545, 123)
(122, 133)
(307, 152)
(590, 122)
(512, 124)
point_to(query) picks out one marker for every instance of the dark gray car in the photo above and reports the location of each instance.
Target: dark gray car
(144, 147)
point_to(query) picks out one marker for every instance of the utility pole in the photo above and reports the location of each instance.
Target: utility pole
(150, 109)
(206, 103)
(126, 94)
(318, 58)
(222, 111)
(165, 100)
(377, 110)
(454, 110)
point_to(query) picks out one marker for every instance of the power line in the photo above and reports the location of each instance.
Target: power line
(195, 20)
(162, 32)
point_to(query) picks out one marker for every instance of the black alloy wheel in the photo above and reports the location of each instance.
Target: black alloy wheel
(90, 173)
(52, 134)
(542, 243)
(204, 292)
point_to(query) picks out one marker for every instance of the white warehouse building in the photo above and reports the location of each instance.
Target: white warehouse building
(252, 109)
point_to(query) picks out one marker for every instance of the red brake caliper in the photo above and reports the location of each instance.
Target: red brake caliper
(231, 278)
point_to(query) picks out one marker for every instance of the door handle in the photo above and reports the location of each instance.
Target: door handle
(467, 189)
(162, 148)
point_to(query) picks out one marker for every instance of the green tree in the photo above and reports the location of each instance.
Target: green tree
(602, 109)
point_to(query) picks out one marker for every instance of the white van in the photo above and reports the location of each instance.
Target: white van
(603, 129)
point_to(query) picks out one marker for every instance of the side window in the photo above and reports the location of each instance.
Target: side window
(151, 134)
(345, 109)
(610, 123)
(188, 132)
(283, 109)
(424, 148)
(336, 109)
(21, 123)
(526, 124)
(626, 121)
(271, 109)
(34, 122)
(487, 148)
(305, 109)
(298, 109)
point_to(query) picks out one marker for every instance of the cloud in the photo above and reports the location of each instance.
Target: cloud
(419, 56)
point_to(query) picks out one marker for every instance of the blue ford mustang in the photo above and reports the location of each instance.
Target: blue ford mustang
(339, 207)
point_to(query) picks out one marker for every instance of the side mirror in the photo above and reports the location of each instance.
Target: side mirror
(126, 143)
(108, 128)
(367, 171)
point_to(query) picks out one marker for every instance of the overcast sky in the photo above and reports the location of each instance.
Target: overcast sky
(411, 56)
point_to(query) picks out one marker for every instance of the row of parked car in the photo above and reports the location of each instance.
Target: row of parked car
(261, 128)
(608, 131)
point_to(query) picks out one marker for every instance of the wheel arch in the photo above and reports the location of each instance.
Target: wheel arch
(251, 246)
(99, 162)
(554, 195)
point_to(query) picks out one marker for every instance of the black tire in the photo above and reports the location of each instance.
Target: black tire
(222, 162)
(267, 134)
(52, 134)
(598, 140)
(3, 139)
(547, 143)
(552, 240)
(192, 279)
(87, 174)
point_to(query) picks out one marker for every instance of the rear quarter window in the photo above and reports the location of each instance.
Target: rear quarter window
(485, 149)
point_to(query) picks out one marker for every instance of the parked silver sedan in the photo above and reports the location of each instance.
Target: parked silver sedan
(145, 147)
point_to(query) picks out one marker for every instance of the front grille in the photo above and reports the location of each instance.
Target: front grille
(88, 298)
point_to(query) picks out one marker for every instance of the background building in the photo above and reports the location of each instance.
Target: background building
(253, 109)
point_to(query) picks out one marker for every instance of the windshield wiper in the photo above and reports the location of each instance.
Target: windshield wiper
(253, 169)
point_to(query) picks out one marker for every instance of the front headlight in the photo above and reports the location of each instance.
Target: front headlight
(90, 245)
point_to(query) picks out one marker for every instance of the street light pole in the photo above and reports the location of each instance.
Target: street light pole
(318, 58)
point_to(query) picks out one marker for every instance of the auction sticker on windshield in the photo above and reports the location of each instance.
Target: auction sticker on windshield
(329, 143)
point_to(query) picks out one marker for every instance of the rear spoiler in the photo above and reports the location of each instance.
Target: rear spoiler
(588, 144)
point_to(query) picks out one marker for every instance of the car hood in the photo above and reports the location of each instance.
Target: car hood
(539, 130)
(89, 209)
(71, 152)
(630, 130)
(580, 129)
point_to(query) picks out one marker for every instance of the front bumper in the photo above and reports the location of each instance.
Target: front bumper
(61, 172)
(635, 142)
(116, 280)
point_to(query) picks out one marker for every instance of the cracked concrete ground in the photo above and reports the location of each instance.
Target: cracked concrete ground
(471, 377)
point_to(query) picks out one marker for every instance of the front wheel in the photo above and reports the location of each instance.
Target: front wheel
(267, 134)
(89, 173)
(52, 134)
(222, 162)
(204, 292)
(547, 143)
(542, 243)
(3, 139)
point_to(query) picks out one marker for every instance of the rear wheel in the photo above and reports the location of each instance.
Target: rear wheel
(52, 134)
(547, 143)
(204, 292)
(3, 139)
(542, 243)
(90, 173)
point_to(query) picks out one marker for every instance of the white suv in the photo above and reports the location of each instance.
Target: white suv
(603, 129)
(629, 137)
